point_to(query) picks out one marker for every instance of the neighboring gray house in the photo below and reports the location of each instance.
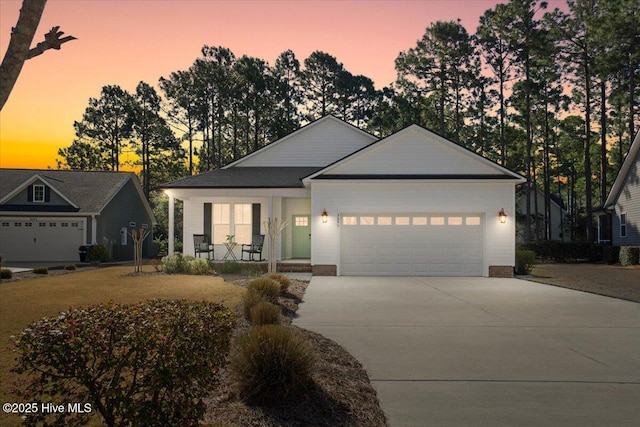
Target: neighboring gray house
(46, 215)
(559, 220)
(624, 200)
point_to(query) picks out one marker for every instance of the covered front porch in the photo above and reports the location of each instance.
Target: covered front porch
(230, 218)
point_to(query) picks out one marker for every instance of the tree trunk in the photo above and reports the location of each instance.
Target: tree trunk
(603, 141)
(18, 49)
(527, 235)
(587, 144)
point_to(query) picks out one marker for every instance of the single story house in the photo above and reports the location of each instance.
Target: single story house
(623, 202)
(413, 203)
(46, 215)
(559, 220)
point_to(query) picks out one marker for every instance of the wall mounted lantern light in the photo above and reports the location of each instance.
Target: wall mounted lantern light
(502, 216)
(325, 216)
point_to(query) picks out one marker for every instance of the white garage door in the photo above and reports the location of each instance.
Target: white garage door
(41, 239)
(411, 244)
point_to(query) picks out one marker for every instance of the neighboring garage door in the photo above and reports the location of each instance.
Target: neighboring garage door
(25, 239)
(411, 244)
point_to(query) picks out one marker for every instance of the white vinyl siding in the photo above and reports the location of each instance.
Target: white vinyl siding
(319, 144)
(412, 150)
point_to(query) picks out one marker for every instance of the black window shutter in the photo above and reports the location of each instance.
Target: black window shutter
(255, 219)
(47, 194)
(207, 221)
(30, 193)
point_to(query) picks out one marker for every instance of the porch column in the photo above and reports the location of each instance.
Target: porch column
(171, 236)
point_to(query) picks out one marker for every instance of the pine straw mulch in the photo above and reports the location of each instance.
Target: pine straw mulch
(341, 395)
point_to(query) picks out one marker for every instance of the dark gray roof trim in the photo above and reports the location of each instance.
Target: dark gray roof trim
(37, 208)
(247, 177)
(426, 176)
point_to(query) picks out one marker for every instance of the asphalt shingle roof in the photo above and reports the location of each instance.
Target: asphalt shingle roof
(247, 177)
(90, 190)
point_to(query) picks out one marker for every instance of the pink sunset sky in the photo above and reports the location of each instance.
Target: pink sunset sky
(121, 42)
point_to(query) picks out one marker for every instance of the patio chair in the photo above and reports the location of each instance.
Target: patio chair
(257, 240)
(201, 245)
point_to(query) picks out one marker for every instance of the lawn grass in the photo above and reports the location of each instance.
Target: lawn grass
(24, 301)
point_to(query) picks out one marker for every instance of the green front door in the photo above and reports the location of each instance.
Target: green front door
(301, 226)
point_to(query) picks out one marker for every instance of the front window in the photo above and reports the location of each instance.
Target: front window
(221, 222)
(623, 225)
(38, 193)
(227, 224)
(242, 223)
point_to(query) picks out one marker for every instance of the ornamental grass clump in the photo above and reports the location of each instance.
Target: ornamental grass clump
(270, 289)
(145, 364)
(283, 280)
(271, 363)
(5, 273)
(250, 299)
(265, 313)
(41, 270)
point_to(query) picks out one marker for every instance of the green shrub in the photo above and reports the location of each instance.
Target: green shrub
(269, 288)
(250, 298)
(270, 363)
(5, 273)
(564, 251)
(265, 313)
(41, 270)
(283, 280)
(629, 255)
(70, 267)
(98, 253)
(230, 267)
(525, 260)
(177, 264)
(611, 254)
(200, 266)
(145, 364)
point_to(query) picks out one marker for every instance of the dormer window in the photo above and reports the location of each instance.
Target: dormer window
(38, 193)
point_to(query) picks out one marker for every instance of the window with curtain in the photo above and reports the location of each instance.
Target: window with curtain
(242, 223)
(221, 222)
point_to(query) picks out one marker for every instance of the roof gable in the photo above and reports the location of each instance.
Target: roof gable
(632, 158)
(416, 153)
(88, 191)
(36, 179)
(317, 144)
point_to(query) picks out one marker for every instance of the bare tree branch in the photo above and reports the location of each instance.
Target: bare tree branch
(19, 45)
(52, 40)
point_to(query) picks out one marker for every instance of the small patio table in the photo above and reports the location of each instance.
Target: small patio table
(230, 246)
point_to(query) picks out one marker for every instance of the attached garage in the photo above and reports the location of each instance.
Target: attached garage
(412, 244)
(33, 239)
(414, 204)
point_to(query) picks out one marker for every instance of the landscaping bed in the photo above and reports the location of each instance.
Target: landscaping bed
(341, 394)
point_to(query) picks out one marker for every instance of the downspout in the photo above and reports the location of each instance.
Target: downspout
(94, 229)
(171, 246)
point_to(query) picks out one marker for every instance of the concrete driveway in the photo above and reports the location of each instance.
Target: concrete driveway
(485, 352)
